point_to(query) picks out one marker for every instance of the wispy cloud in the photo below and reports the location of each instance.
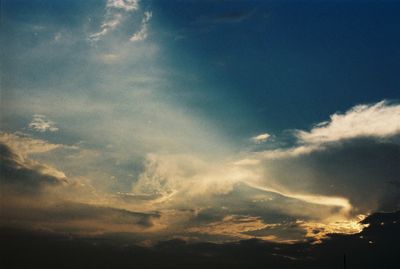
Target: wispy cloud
(41, 123)
(110, 23)
(25, 145)
(116, 11)
(126, 5)
(143, 31)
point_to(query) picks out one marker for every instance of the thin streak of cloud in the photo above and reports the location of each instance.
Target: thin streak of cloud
(309, 198)
(143, 31)
(24, 145)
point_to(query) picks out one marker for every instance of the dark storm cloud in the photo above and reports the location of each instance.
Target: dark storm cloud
(26, 200)
(22, 176)
(69, 215)
(360, 169)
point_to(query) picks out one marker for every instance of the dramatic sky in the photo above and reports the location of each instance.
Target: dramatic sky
(201, 120)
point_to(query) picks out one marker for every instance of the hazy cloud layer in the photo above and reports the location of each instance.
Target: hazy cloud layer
(137, 131)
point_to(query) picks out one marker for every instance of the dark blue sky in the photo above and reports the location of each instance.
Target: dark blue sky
(287, 64)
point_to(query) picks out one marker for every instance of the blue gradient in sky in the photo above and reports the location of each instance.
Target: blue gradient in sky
(286, 64)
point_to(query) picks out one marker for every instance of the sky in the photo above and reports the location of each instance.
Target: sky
(201, 120)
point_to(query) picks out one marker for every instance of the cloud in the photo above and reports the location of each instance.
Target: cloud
(76, 218)
(375, 121)
(24, 145)
(41, 123)
(37, 195)
(378, 120)
(349, 162)
(261, 138)
(21, 175)
(235, 226)
(110, 23)
(116, 11)
(309, 198)
(127, 5)
(183, 254)
(318, 231)
(143, 31)
(361, 170)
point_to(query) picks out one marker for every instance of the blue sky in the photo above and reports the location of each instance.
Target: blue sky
(200, 116)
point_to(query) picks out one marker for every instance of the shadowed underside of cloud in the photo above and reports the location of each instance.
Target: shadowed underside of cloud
(360, 169)
(354, 155)
(75, 218)
(283, 197)
(36, 195)
(21, 175)
(375, 247)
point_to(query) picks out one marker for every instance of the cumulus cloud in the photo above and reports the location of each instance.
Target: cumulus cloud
(349, 161)
(378, 120)
(38, 195)
(143, 31)
(359, 169)
(318, 184)
(261, 138)
(41, 123)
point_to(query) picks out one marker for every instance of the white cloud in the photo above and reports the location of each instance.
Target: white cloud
(41, 123)
(143, 32)
(116, 11)
(127, 5)
(378, 120)
(109, 24)
(261, 138)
